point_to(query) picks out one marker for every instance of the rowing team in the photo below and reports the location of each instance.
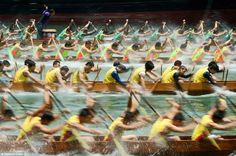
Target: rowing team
(61, 75)
(34, 126)
(72, 50)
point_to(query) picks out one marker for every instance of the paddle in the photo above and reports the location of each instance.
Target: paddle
(24, 108)
(226, 77)
(105, 112)
(57, 100)
(58, 51)
(188, 104)
(149, 105)
(190, 79)
(117, 143)
(95, 78)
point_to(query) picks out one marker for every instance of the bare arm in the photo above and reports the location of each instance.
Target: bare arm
(180, 129)
(85, 129)
(132, 126)
(32, 78)
(223, 127)
(60, 80)
(48, 130)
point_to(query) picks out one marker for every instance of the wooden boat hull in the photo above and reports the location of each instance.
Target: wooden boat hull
(184, 147)
(160, 88)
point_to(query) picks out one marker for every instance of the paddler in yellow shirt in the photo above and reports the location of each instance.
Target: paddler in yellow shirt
(24, 74)
(139, 74)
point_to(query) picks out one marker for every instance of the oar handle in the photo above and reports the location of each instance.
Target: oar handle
(98, 72)
(226, 76)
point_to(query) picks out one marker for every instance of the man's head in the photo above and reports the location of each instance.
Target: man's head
(157, 45)
(130, 116)
(56, 64)
(6, 63)
(213, 67)
(218, 115)
(177, 63)
(115, 45)
(47, 118)
(178, 119)
(64, 70)
(8, 113)
(86, 115)
(88, 44)
(31, 65)
(136, 46)
(88, 66)
(149, 66)
(182, 70)
(116, 63)
(121, 68)
(45, 44)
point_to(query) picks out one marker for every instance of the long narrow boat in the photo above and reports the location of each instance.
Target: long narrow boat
(159, 88)
(185, 147)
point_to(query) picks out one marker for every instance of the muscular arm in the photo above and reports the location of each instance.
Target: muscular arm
(48, 130)
(85, 129)
(132, 126)
(32, 78)
(180, 129)
(208, 76)
(117, 78)
(223, 127)
(177, 84)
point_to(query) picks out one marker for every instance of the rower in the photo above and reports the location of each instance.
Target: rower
(34, 126)
(204, 74)
(85, 31)
(211, 121)
(30, 30)
(176, 66)
(86, 51)
(171, 121)
(108, 29)
(154, 52)
(129, 120)
(57, 75)
(44, 47)
(18, 47)
(144, 30)
(70, 45)
(177, 51)
(163, 30)
(81, 75)
(139, 74)
(112, 75)
(183, 30)
(199, 28)
(76, 122)
(177, 77)
(108, 52)
(24, 74)
(134, 48)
